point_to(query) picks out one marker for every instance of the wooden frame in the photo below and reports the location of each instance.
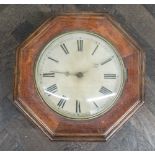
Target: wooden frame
(55, 126)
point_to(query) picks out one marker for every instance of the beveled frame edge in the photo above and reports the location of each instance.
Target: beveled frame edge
(107, 136)
(109, 133)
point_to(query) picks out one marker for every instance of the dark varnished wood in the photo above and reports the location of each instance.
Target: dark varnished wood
(56, 126)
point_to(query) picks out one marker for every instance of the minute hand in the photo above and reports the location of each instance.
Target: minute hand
(109, 59)
(65, 73)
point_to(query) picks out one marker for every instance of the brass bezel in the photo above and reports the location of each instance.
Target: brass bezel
(124, 71)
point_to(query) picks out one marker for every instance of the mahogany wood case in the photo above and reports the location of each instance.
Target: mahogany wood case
(55, 126)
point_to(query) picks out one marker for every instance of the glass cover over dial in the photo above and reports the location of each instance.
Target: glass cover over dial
(80, 75)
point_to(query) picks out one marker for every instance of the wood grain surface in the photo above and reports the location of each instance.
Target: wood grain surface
(18, 133)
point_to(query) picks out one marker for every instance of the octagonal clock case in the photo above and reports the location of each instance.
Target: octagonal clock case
(79, 77)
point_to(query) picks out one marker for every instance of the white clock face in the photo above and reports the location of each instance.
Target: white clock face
(79, 75)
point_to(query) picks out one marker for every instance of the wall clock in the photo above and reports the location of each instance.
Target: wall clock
(79, 77)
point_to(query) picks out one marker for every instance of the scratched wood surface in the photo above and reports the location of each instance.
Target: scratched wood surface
(18, 133)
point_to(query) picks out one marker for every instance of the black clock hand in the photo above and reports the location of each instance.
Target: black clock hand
(80, 74)
(65, 73)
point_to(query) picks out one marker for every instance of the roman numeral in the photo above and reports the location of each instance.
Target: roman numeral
(95, 105)
(53, 59)
(80, 45)
(61, 103)
(64, 48)
(48, 74)
(106, 61)
(109, 76)
(78, 108)
(105, 91)
(52, 88)
(95, 50)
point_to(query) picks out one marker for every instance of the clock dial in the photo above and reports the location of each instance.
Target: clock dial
(80, 75)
